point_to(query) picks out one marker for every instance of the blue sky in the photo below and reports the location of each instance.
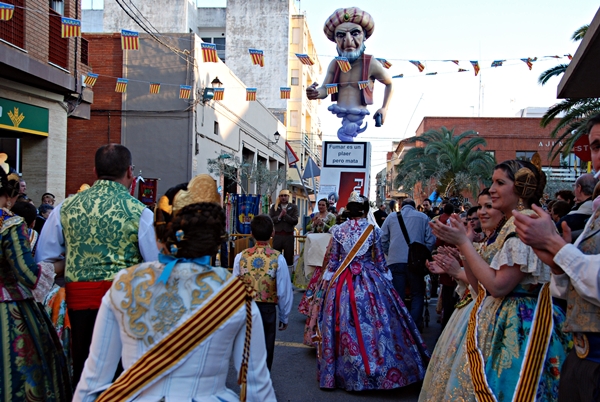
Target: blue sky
(463, 30)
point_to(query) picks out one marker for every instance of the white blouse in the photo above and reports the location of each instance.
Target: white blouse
(137, 312)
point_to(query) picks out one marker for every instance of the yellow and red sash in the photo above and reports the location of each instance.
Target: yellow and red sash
(169, 351)
(535, 350)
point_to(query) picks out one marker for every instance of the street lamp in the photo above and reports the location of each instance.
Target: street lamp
(276, 136)
(209, 92)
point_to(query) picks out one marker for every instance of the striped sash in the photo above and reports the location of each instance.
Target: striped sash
(169, 351)
(350, 256)
(535, 350)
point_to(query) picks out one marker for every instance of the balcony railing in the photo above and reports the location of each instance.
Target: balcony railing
(13, 30)
(58, 47)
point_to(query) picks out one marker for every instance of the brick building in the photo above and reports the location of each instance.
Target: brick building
(506, 137)
(40, 89)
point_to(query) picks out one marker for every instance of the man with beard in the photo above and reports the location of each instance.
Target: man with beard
(349, 28)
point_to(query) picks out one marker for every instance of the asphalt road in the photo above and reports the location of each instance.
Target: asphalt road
(294, 371)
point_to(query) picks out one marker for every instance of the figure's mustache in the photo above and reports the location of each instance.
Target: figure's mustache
(353, 55)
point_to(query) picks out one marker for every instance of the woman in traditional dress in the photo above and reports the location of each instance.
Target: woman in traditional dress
(32, 362)
(448, 345)
(176, 323)
(368, 339)
(517, 324)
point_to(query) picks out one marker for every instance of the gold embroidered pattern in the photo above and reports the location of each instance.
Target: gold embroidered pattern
(169, 308)
(204, 290)
(136, 300)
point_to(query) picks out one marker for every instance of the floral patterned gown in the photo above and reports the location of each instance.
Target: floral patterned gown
(32, 364)
(368, 339)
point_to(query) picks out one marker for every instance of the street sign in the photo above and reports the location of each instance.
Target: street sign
(581, 148)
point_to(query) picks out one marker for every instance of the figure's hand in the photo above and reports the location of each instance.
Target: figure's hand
(383, 113)
(434, 267)
(312, 92)
(455, 233)
(282, 326)
(448, 264)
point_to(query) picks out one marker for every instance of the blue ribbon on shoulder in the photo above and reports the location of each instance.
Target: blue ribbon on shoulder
(171, 261)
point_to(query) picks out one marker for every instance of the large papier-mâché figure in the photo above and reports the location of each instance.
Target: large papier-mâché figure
(349, 28)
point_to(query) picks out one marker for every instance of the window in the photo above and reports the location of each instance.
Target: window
(84, 52)
(58, 47)
(13, 30)
(296, 36)
(216, 128)
(524, 155)
(58, 6)
(294, 118)
(295, 77)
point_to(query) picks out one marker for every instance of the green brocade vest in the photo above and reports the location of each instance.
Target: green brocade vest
(258, 268)
(100, 226)
(583, 316)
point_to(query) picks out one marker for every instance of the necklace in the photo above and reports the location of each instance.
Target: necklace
(489, 239)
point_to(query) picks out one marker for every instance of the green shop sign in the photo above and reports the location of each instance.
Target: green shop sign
(24, 118)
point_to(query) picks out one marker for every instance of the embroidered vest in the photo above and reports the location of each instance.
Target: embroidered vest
(583, 316)
(101, 232)
(366, 95)
(258, 268)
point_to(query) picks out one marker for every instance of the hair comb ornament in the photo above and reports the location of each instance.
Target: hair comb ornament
(173, 249)
(356, 197)
(179, 235)
(201, 188)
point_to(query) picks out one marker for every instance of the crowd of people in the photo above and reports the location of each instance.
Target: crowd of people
(143, 315)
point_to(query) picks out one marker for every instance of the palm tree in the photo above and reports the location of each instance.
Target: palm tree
(454, 162)
(576, 112)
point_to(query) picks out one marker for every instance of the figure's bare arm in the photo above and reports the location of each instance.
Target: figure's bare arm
(379, 73)
(314, 91)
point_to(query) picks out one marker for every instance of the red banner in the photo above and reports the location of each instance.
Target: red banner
(147, 191)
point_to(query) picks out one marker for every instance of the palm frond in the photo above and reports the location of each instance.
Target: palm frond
(552, 72)
(580, 33)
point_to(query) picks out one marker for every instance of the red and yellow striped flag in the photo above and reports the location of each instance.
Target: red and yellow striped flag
(90, 79)
(418, 64)
(219, 94)
(130, 40)
(475, 64)
(462, 70)
(363, 84)
(185, 91)
(209, 53)
(154, 87)
(569, 56)
(529, 61)
(385, 63)
(70, 27)
(305, 59)
(6, 11)
(331, 88)
(121, 85)
(285, 92)
(250, 94)
(344, 64)
(257, 56)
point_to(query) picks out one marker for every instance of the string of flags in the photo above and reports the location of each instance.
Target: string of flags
(250, 94)
(219, 94)
(257, 56)
(6, 11)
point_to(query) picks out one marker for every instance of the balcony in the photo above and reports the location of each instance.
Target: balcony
(58, 47)
(13, 30)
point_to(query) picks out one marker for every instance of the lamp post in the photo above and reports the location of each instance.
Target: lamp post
(276, 136)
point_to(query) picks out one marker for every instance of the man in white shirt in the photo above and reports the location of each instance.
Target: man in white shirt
(576, 278)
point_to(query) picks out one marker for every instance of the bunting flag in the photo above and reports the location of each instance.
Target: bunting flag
(209, 53)
(285, 92)
(6, 11)
(497, 63)
(250, 94)
(344, 64)
(435, 73)
(462, 70)
(453, 61)
(70, 27)
(418, 64)
(121, 85)
(363, 84)
(154, 87)
(305, 59)
(90, 79)
(529, 61)
(258, 57)
(331, 88)
(385, 63)
(219, 94)
(185, 91)
(569, 56)
(130, 40)
(475, 64)
(398, 76)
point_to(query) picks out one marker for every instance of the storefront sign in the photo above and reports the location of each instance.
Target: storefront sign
(23, 118)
